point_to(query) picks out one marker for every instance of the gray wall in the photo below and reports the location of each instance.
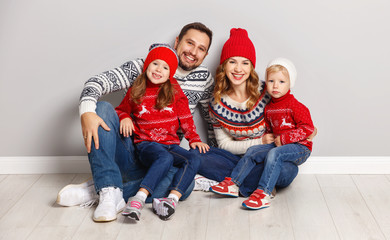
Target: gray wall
(48, 49)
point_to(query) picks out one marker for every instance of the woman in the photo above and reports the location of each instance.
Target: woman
(237, 111)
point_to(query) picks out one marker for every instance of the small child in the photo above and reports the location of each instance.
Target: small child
(288, 125)
(153, 109)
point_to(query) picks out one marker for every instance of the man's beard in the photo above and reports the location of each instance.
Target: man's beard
(186, 68)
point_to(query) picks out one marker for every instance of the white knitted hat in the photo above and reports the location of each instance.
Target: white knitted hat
(292, 72)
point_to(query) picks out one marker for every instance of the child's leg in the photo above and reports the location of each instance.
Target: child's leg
(254, 155)
(135, 204)
(157, 157)
(295, 153)
(188, 165)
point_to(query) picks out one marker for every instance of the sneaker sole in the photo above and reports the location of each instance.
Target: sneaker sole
(254, 208)
(220, 193)
(171, 211)
(133, 216)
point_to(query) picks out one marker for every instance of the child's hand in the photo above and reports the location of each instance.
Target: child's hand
(126, 127)
(203, 147)
(268, 138)
(278, 143)
(310, 138)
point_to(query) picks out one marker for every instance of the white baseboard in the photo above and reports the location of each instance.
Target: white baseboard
(80, 164)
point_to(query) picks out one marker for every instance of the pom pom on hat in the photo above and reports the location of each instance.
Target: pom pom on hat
(292, 72)
(239, 45)
(163, 52)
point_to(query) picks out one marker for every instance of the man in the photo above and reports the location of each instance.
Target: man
(116, 173)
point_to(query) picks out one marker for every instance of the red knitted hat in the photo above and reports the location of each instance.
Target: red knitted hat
(163, 52)
(239, 45)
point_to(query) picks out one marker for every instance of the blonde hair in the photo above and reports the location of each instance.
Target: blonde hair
(166, 92)
(276, 68)
(223, 86)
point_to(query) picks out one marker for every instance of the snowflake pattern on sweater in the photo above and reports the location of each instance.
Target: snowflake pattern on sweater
(288, 118)
(197, 86)
(151, 124)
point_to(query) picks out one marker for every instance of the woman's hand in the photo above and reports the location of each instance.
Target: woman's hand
(203, 147)
(268, 138)
(126, 127)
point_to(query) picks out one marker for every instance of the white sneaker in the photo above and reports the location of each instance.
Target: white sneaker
(203, 183)
(110, 204)
(77, 194)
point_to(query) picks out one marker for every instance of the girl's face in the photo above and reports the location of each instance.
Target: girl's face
(237, 70)
(278, 84)
(158, 71)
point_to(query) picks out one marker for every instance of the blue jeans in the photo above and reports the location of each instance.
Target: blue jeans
(159, 158)
(217, 164)
(273, 157)
(115, 163)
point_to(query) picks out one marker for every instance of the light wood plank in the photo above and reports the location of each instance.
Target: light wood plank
(62, 222)
(12, 189)
(310, 216)
(190, 219)
(350, 213)
(149, 226)
(3, 176)
(375, 190)
(272, 222)
(32, 207)
(226, 218)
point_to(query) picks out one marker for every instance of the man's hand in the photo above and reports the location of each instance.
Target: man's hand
(203, 147)
(90, 123)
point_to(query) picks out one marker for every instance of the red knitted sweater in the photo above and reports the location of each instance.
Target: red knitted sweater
(289, 119)
(159, 125)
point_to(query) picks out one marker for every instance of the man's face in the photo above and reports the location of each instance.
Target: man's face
(192, 49)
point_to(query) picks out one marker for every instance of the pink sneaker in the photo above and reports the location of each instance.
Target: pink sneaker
(257, 200)
(226, 187)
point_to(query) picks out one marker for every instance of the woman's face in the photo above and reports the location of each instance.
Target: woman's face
(237, 70)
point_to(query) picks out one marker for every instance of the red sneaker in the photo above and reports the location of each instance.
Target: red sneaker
(226, 187)
(257, 200)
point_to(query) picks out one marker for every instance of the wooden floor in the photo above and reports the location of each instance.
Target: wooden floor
(313, 207)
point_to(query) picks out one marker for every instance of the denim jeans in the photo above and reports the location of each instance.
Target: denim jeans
(159, 158)
(217, 164)
(294, 153)
(115, 163)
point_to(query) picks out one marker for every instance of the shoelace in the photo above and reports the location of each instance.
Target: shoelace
(89, 204)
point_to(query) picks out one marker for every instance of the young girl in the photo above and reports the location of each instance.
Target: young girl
(153, 108)
(288, 125)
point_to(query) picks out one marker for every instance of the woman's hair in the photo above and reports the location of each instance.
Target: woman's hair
(166, 92)
(276, 68)
(223, 86)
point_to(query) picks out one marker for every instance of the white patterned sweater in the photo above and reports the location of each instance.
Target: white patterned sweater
(197, 85)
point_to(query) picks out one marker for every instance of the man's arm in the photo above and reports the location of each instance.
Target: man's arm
(204, 110)
(97, 86)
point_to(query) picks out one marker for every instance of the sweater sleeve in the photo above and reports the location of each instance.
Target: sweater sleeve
(303, 122)
(107, 82)
(185, 117)
(124, 109)
(204, 109)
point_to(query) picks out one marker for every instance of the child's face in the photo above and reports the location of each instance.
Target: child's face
(158, 71)
(278, 84)
(237, 70)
